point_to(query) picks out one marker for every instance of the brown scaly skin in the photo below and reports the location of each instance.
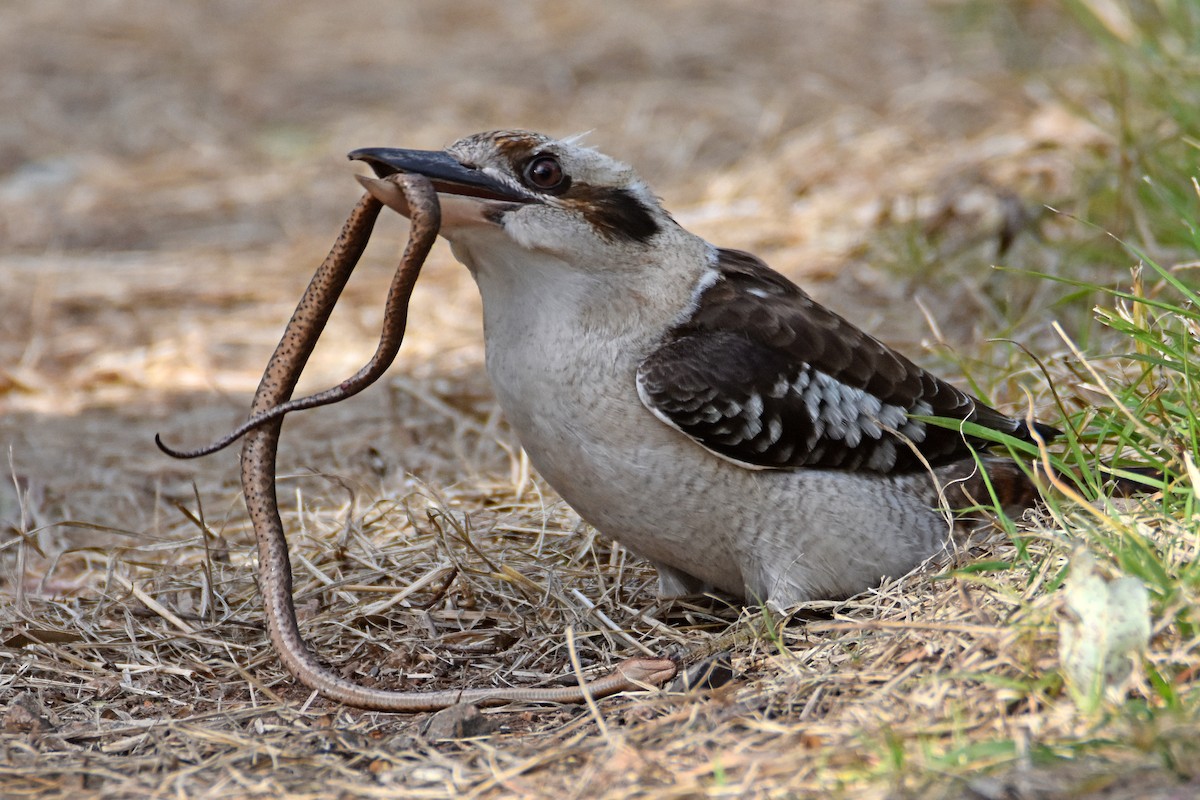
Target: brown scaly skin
(258, 469)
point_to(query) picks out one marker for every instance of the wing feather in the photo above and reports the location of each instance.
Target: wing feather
(762, 375)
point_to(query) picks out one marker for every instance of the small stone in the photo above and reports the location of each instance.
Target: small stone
(24, 715)
(460, 721)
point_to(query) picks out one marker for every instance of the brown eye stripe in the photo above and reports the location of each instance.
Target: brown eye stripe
(614, 212)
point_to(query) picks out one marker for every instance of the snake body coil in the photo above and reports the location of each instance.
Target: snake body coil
(259, 450)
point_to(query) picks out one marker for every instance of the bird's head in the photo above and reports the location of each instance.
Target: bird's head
(516, 188)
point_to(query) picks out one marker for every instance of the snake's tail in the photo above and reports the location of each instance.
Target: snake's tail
(324, 398)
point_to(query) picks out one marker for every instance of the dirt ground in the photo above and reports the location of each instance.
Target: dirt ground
(171, 179)
(171, 174)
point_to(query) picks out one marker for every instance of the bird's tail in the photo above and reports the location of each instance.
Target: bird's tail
(999, 481)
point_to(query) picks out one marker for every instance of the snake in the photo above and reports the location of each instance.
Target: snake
(273, 400)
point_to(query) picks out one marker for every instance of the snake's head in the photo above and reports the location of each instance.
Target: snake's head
(470, 196)
(648, 671)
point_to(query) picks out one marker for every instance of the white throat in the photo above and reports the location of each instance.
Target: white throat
(604, 291)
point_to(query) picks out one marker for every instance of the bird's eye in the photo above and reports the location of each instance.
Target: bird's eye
(544, 172)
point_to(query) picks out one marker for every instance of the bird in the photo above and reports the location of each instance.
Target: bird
(687, 400)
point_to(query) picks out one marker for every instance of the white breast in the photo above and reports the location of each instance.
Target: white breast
(563, 349)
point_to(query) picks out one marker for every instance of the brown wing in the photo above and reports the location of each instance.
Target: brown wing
(763, 375)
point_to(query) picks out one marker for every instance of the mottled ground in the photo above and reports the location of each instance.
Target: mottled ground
(171, 174)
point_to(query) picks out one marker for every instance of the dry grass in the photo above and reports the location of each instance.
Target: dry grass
(159, 683)
(172, 179)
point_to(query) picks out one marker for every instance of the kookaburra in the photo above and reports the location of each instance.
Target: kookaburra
(687, 400)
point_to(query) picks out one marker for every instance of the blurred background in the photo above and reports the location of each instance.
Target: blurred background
(172, 173)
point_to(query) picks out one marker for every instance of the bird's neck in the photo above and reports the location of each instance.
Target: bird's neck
(623, 294)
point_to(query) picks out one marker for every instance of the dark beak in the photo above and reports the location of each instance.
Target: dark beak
(444, 171)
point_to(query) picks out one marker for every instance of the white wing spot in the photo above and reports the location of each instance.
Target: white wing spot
(884, 456)
(893, 417)
(912, 428)
(752, 427)
(754, 406)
